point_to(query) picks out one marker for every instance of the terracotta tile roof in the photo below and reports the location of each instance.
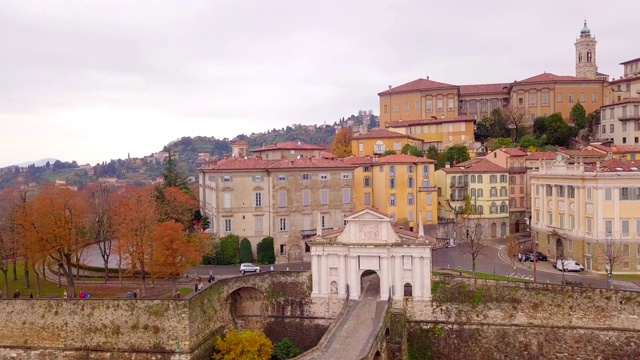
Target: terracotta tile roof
(262, 164)
(501, 88)
(327, 155)
(384, 134)
(513, 151)
(624, 79)
(475, 165)
(606, 149)
(549, 77)
(405, 123)
(289, 145)
(623, 149)
(416, 85)
(239, 142)
(405, 232)
(332, 231)
(541, 155)
(358, 160)
(629, 100)
(582, 153)
(402, 158)
(615, 165)
(630, 61)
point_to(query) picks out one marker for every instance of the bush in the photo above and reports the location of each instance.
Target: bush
(265, 252)
(246, 254)
(227, 250)
(285, 349)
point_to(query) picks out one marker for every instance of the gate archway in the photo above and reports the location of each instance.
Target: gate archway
(295, 253)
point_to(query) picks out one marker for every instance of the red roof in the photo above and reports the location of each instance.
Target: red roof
(541, 155)
(384, 134)
(623, 149)
(615, 165)
(405, 123)
(289, 145)
(419, 84)
(513, 151)
(630, 61)
(549, 77)
(239, 142)
(403, 158)
(582, 153)
(501, 88)
(261, 164)
(629, 100)
(475, 165)
(358, 160)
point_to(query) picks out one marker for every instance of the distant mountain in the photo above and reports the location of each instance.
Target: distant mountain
(37, 162)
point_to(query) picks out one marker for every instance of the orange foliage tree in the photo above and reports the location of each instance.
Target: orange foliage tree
(342, 143)
(175, 204)
(9, 208)
(135, 220)
(53, 226)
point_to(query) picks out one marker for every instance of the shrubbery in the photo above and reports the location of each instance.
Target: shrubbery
(265, 252)
(246, 254)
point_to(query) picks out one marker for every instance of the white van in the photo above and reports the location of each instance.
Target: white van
(569, 265)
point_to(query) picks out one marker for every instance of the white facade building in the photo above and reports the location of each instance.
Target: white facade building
(400, 258)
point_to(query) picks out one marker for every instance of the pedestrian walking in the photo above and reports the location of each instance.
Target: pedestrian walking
(195, 287)
(200, 286)
(271, 267)
(64, 295)
(16, 294)
(30, 295)
(138, 293)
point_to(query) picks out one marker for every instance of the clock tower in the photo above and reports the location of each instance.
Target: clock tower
(586, 54)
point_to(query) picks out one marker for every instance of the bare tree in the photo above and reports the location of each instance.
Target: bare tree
(473, 238)
(99, 199)
(515, 118)
(614, 251)
(513, 248)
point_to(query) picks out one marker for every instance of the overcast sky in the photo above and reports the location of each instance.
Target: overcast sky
(95, 80)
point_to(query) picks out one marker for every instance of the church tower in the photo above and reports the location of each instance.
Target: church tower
(586, 54)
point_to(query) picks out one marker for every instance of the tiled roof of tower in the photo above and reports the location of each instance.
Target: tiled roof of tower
(615, 165)
(475, 165)
(541, 155)
(384, 134)
(262, 164)
(418, 84)
(549, 77)
(485, 88)
(289, 145)
(403, 158)
(239, 142)
(404, 123)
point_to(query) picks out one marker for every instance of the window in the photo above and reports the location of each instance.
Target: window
(439, 106)
(473, 192)
(410, 169)
(257, 199)
(258, 223)
(559, 97)
(493, 192)
(367, 169)
(324, 196)
(282, 177)
(258, 178)
(604, 129)
(625, 227)
(228, 225)
(429, 216)
(367, 199)
(537, 189)
(608, 226)
(450, 104)
(594, 97)
(397, 146)
(480, 192)
(607, 194)
(392, 183)
(571, 192)
(611, 127)
(638, 228)
(493, 179)
(410, 182)
(503, 208)
(512, 180)
(344, 220)
(545, 99)
(549, 190)
(406, 106)
(630, 193)
(410, 199)
(493, 209)
(425, 170)
(589, 225)
(589, 193)
(306, 197)
(480, 210)
(561, 225)
(379, 148)
(520, 101)
(532, 99)
(537, 217)
(385, 109)
(282, 224)
(227, 178)
(345, 176)
(392, 170)
(305, 177)
(283, 249)
(473, 179)
(624, 126)
(503, 178)
(324, 176)
(429, 199)
(346, 196)
(550, 218)
(366, 182)
(503, 192)
(282, 198)
(559, 190)
(395, 107)
(571, 97)
(583, 98)
(429, 105)
(392, 200)
(227, 200)
(479, 179)
(417, 105)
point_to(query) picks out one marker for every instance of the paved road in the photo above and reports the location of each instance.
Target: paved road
(354, 335)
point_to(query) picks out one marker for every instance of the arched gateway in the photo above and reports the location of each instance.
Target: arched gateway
(401, 258)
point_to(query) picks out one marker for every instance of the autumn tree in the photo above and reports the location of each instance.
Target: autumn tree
(174, 250)
(342, 143)
(614, 252)
(250, 344)
(174, 204)
(472, 238)
(54, 225)
(515, 119)
(513, 248)
(135, 220)
(99, 198)
(8, 232)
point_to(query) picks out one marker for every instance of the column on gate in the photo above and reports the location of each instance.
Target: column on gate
(426, 293)
(384, 277)
(398, 286)
(354, 282)
(416, 269)
(324, 278)
(342, 275)
(315, 275)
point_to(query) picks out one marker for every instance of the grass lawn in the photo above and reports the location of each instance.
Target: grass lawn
(627, 277)
(481, 275)
(47, 288)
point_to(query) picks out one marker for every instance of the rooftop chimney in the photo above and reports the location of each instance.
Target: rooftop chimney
(446, 165)
(389, 87)
(227, 155)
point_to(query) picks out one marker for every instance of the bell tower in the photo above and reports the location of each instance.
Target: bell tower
(586, 54)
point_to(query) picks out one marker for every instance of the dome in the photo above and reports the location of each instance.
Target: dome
(585, 30)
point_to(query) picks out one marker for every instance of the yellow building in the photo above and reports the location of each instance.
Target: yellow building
(486, 184)
(438, 132)
(588, 213)
(399, 185)
(376, 142)
(543, 94)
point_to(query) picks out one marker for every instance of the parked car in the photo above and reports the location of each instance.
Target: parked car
(541, 256)
(569, 265)
(248, 267)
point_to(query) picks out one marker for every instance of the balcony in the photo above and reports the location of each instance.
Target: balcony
(517, 169)
(427, 189)
(459, 184)
(456, 197)
(629, 118)
(311, 232)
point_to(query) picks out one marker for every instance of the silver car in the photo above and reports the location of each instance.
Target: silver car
(248, 267)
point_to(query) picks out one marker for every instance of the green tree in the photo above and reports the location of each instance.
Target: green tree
(172, 177)
(285, 349)
(559, 133)
(246, 254)
(388, 152)
(412, 150)
(579, 116)
(434, 154)
(528, 141)
(540, 126)
(250, 345)
(457, 154)
(493, 126)
(227, 249)
(265, 251)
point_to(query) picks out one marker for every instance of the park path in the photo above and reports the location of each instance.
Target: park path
(357, 329)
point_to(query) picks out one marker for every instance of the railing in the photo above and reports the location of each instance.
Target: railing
(427, 189)
(312, 232)
(456, 198)
(459, 184)
(517, 169)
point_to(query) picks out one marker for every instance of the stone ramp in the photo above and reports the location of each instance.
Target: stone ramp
(354, 335)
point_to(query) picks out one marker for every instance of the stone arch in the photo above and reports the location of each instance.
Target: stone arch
(370, 283)
(408, 290)
(494, 231)
(247, 306)
(503, 229)
(295, 253)
(333, 287)
(559, 249)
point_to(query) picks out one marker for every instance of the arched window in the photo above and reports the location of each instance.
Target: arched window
(473, 179)
(503, 207)
(589, 56)
(579, 57)
(503, 229)
(379, 147)
(408, 290)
